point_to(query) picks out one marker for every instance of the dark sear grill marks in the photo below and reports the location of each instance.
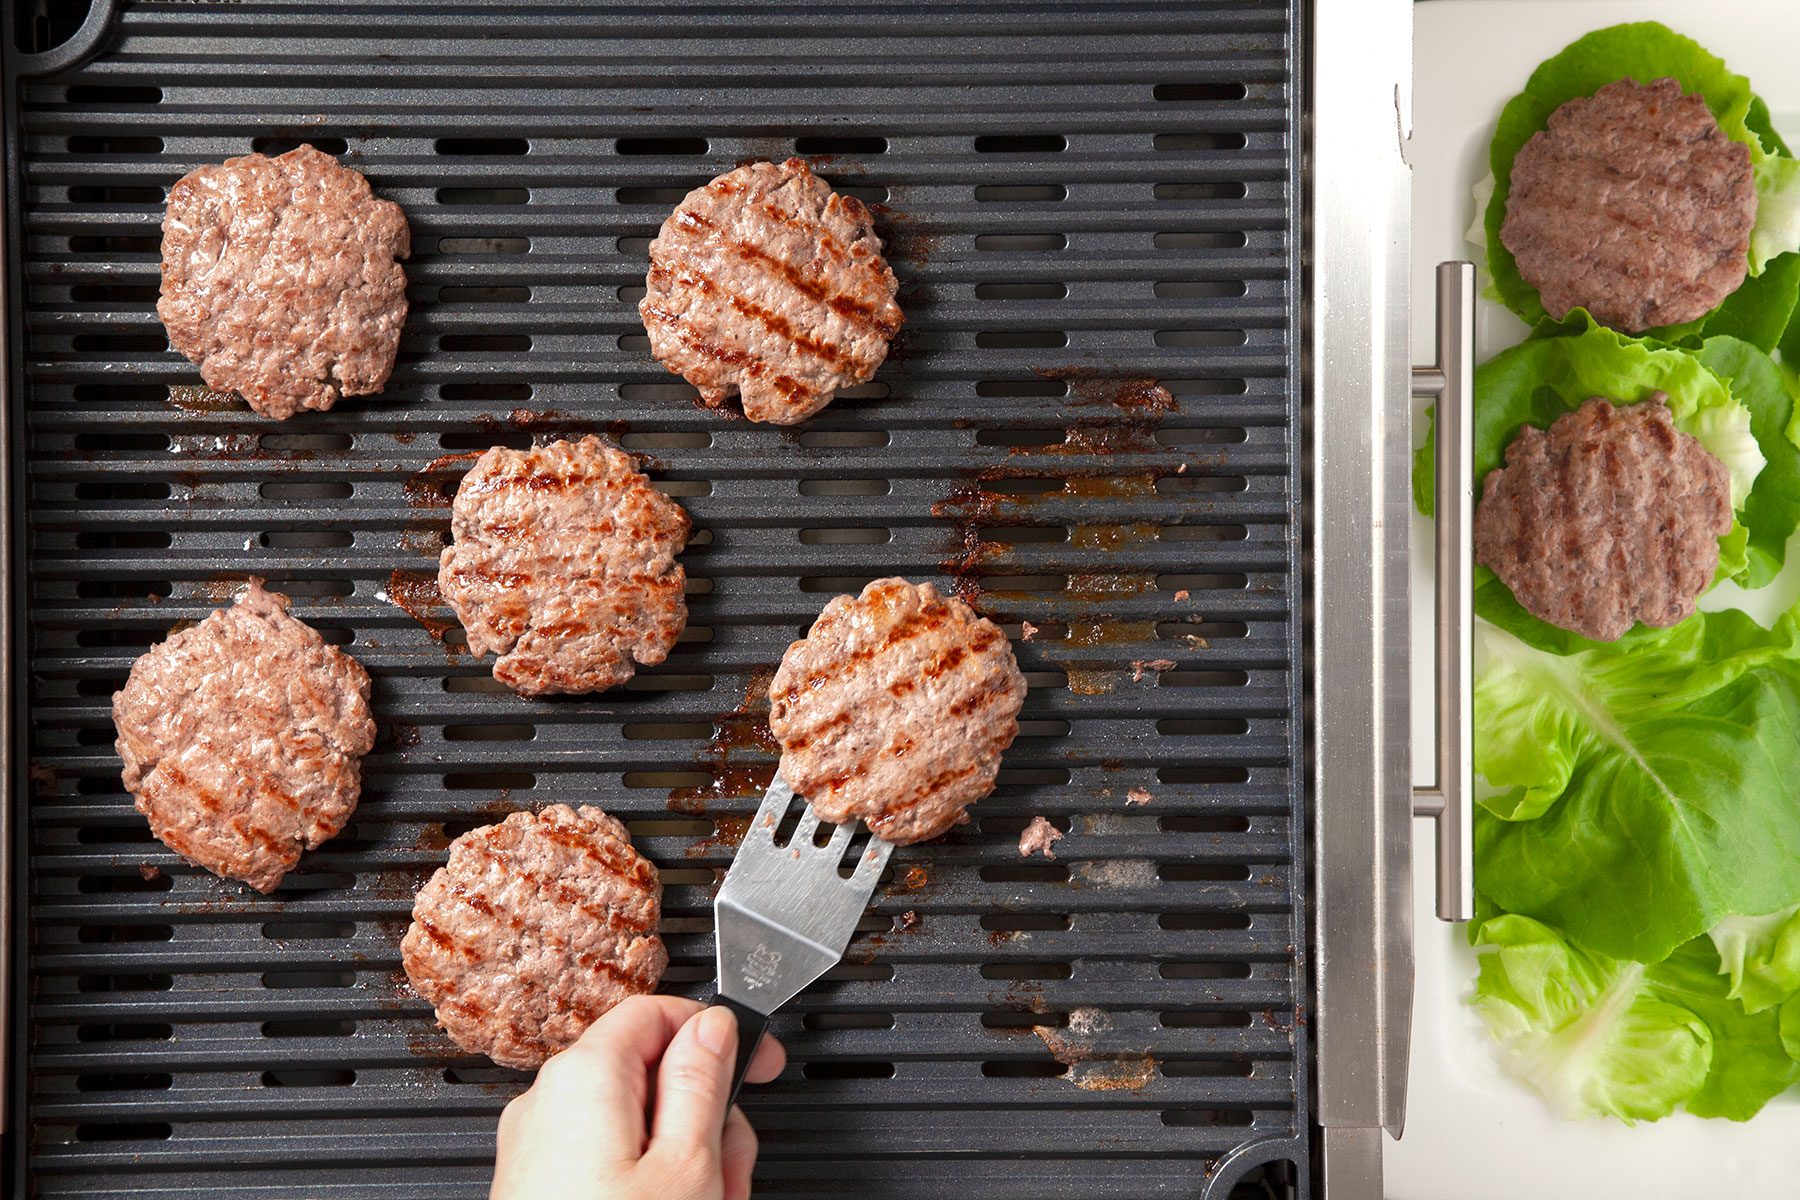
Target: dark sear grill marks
(564, 895)
(915, 625)
(768, 284)
(774, 322)
(816, 290)
(790, 387)
(907, 759)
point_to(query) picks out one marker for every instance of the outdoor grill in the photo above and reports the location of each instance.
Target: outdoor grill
(1080, 200)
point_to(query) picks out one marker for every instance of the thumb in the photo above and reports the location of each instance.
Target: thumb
(691, 1088)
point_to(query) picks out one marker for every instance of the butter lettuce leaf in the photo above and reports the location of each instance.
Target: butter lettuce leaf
(1771, 511)
(1790, 1028)
(1641, 795)
(1587, 1031)
(1601, 1036)
(1750, 1066)
(1761, 956)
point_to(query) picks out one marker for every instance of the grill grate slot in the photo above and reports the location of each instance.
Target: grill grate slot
(1081, 202)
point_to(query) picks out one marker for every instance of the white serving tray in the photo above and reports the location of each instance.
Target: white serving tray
(1472, 1133)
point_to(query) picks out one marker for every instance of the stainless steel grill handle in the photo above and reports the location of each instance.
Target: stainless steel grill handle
(1451, 382)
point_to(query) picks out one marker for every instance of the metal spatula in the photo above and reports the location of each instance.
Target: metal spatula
(785, 913)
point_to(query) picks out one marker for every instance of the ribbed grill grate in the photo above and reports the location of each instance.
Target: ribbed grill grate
(1108, 188)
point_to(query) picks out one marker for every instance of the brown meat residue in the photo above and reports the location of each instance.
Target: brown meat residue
(1140, 667)
(1132, 394)
(1038, 838)
(1091, 1069)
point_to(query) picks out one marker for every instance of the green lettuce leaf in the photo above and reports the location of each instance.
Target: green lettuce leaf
(1546, 376)
(1790, 1028)
(1761, 955)
(1777, 228)
(1601, 1036)
(1771, 513)
(1587, 1031)
(1750, 1065)
(1758, 312)
(1641, 795)
(1646, 51)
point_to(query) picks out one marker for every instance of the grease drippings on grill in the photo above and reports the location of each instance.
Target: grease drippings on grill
(729, 778)
(767, 285)
(1092, 1065)
(1129, 393)
(193, 398)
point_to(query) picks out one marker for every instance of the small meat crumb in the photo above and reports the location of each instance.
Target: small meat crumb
(1140, 666)
(148, 873)
(1039, 835)
(1138, 795)
(1182, 469)
(1027, 631)
(1181, 595)
(907, 920)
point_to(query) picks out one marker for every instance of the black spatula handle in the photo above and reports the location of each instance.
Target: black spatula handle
(751, 1025)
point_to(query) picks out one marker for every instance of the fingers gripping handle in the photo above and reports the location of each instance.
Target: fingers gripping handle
(1451, 380)
(751, 1025)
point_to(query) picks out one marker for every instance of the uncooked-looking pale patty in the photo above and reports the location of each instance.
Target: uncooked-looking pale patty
(1633, 204)
(534, 929)
(563, 564)
(895, 708)
(279, 278)
(767, 284)
(243, 739)
(1612, 517)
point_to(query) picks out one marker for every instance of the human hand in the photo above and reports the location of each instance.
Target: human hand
(580, 1132)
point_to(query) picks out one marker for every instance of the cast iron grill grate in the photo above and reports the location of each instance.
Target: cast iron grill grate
(1075, 196)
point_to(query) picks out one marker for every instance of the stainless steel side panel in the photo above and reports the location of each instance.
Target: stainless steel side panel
(1359, 771)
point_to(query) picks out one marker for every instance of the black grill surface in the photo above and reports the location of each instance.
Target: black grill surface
(1075, 196)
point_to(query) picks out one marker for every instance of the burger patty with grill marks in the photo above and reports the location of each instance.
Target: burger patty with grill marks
(534, 929)
(895, 708)
(563, 563)
(243, 739)
(1612, 517)
(1633, 204)
(279, 277)
(767, 284)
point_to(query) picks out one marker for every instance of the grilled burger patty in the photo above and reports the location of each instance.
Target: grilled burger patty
(279, 278)
(534, 929)
(1633, 204)
(563, 564)
(767, 284)
(1612, 517)
(895, 708)
(243, 739)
